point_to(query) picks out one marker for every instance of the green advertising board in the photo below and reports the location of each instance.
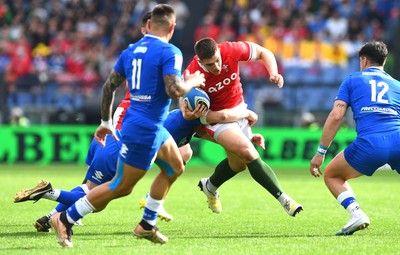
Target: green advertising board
(285, 147)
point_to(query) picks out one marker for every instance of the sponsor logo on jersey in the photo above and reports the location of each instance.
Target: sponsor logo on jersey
(367, 109)
(383, 75)
(141, 98)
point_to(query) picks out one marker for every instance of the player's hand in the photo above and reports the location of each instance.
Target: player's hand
(196, 79)
(315, 165)
(200, 110)
(252, 117)
(103, 130)
(277, 79)
(259, 140)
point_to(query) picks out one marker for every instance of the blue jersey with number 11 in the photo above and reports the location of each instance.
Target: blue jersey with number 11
(144, 64)
(374, 97)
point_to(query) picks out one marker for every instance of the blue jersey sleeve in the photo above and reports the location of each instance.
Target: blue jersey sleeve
(344, 93)
(173, 61)
(119, 65)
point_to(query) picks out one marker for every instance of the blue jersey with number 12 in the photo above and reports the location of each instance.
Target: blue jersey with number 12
(144, 64)
(374, 97)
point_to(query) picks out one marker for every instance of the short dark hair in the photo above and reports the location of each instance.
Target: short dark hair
(162, 15)
(374, 51)
(145, 18)
(205, 48)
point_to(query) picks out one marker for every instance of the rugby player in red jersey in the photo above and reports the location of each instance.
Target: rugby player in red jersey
(220, 65)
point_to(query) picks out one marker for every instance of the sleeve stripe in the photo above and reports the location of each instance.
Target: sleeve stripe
(252, 51)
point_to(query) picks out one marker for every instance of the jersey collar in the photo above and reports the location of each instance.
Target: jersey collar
(157, 37)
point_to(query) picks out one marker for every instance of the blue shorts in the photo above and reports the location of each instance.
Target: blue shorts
(102, 162)
(141, 143)
(180, 129)
(367, 154)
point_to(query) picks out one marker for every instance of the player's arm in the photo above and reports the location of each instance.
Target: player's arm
(333, 123)
(222, 116)
(113, 81)
(176, 87)
(231, 115)
(268, 58)
(331, 127)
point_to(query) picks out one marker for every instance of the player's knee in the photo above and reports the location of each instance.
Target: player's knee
(237, 166)
(179, 170)
(248, 154)
(122, 191)
(187, 155)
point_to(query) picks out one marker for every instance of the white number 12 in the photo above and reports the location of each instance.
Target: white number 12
(378, 98)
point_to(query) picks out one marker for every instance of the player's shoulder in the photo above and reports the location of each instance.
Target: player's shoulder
(234, 44)
(234, 48)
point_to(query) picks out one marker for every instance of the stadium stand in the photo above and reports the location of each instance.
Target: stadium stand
(55, 55)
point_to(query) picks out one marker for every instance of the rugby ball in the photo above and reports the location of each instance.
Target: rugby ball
(196, 96)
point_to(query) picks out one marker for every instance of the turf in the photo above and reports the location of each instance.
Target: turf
(252, 221)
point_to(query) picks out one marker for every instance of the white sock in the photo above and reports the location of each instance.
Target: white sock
(85, 188)
(210, 187)
(82, 206)
(283, 198)
(52, 195)
(153, 205)
(354, 208)
(54, 211)
(345, 194)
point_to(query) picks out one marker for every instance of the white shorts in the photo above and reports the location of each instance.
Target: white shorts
(215, 129)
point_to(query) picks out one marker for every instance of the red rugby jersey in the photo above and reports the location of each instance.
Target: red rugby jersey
(121, 110)
(225, 90)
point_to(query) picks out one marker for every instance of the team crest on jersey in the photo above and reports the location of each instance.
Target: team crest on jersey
(225, 67)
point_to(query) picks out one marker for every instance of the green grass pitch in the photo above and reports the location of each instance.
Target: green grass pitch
(252, 221)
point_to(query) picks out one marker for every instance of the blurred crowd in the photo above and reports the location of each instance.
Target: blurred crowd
(56, 54)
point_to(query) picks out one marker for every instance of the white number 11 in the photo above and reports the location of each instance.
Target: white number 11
(136, 70)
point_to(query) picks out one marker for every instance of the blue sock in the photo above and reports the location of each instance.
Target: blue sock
(67, 198)
(150, 216)
(73, 213)
(346, 202)
(61, 207)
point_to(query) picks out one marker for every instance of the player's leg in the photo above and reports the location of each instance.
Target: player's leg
(65, 199)
(259, 170)
(222, 173)
(186, 154)
(171, 165)
(101, 163)
(44, 190)
(96, 200)
(337, 172)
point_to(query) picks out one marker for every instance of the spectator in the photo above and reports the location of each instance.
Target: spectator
(18, 118)
(182, 14)
(208, 27)
(336, 26)
(302, 34)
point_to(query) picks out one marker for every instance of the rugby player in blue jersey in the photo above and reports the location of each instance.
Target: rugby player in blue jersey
(102, 161)
(374, 97)
(152, 68)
